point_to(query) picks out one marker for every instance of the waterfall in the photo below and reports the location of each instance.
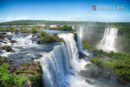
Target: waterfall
(80, 37)
(72, 51)
(55, 67)
(62, 65)
(80, 32)
(79, 45)
(108, 41)
(80, 48)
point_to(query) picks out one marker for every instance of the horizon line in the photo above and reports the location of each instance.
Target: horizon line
(64, 21)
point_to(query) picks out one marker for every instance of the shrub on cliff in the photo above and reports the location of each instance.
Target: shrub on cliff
(3, 60)
(9, 80)
(34, 30)
(46, 38)
(66, 28)
(96, 61)
(88, 46)
(117, 62)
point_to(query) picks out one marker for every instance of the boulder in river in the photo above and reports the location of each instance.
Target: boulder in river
(7, 48)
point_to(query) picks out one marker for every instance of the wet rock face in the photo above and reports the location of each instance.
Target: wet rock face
(13, 41)
(33, 72)
(35, 37)
(5, 38)
(7, 48)
(1, 36)
(94, 71)
(95, 74)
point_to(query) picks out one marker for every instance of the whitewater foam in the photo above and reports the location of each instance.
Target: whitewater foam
(108, 41)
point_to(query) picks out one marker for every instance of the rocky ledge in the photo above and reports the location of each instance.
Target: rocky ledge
(24, 75)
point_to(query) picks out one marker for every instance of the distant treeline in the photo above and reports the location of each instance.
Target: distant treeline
(31, 22)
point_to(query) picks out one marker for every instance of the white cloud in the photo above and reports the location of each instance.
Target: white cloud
(13, 18)
(9, 18)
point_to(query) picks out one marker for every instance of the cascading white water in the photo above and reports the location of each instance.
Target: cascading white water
(80, 37)
(62, 65)
(72, 51)
(79, 45)
(108, 41)
(23, 40)
(55, 67)
(80, 32)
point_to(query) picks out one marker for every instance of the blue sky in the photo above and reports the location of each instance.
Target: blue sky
(65, 10)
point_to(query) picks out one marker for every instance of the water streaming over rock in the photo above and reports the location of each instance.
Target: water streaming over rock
(80, 32)
(23, 40)
(108, 41)
(62, 65)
